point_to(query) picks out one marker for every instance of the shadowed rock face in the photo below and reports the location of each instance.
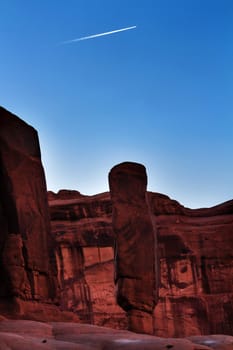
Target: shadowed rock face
(136, 245)
(26, 258)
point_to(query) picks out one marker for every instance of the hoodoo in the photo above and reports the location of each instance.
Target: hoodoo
(137, 268)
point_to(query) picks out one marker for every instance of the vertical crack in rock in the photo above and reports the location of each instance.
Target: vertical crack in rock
(136, 258)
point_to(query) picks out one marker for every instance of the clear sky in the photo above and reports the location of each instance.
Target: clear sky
(160, 94)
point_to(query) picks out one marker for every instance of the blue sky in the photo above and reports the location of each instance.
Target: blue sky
(160, 94)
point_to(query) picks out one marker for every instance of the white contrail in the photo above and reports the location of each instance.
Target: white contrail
(98, 35)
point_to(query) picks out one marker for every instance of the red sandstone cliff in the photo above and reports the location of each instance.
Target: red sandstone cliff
(28, 275)
(25, 226)
(196, 259)
(195, 250)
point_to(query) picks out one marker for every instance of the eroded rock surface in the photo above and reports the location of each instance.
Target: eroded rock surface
(136, 253)
(28, 272)
(195, 248)
(196, 260)
(84, 252)
(27, 335)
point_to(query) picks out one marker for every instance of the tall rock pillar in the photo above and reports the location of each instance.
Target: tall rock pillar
(27, 267)
(136, 261)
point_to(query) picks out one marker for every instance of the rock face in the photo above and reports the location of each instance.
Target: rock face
(25, 335)
(27, 266)
(136, 253)
(196, 261)
(84, 253)
(196, 271)
(195, 252)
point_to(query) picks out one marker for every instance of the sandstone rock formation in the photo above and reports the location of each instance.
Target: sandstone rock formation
(196, 272)
(27, 335)
(136, 253)
(84, 254)
(195, 251)
(196, 260)
(27, 269)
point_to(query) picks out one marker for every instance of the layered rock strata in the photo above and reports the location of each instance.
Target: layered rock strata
(195, 250)
(84, 253)
(27, 265)
(196, 260)
(136, 254)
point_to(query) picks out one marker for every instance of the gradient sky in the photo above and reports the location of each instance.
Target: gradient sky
(160, 94)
